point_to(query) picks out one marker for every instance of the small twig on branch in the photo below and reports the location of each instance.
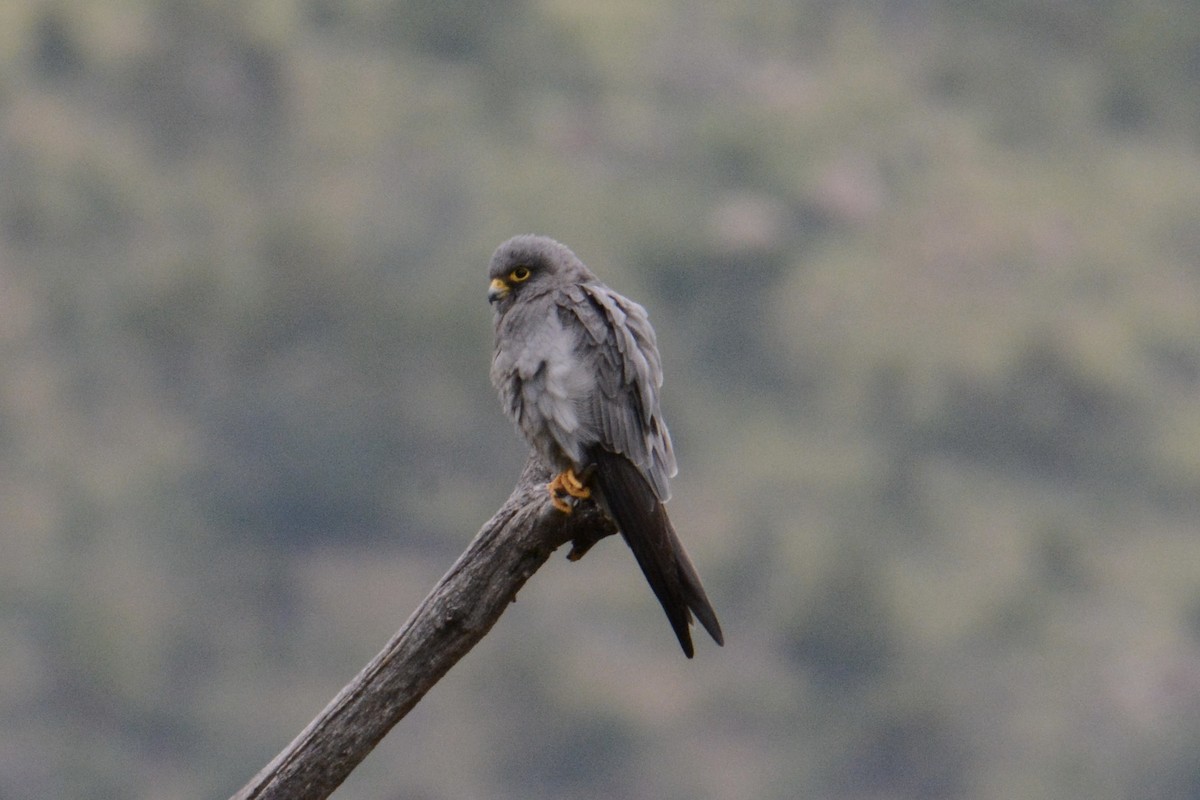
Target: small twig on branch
(459, 611)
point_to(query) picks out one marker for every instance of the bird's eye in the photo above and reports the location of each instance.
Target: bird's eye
(519, 274)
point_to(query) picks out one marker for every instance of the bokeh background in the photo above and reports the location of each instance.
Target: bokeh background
(926, 278)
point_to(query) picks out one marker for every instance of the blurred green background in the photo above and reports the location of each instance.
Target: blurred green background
(926, 278)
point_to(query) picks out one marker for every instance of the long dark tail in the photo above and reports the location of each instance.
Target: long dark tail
(643, 522)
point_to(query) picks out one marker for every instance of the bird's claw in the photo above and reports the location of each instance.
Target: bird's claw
(566, 484)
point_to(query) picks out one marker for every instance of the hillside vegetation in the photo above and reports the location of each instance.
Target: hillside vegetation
(926, 279)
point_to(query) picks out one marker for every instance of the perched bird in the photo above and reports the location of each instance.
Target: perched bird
(578, 371)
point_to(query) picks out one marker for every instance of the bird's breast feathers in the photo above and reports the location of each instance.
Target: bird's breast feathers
(543, 382)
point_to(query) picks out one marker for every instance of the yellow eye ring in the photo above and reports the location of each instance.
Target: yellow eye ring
(519, 274)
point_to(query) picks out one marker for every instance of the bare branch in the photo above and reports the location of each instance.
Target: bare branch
(459, 611)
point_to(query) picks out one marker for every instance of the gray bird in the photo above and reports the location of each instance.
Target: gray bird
(578, 371)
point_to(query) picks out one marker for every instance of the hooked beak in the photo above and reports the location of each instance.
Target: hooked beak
(498, 290)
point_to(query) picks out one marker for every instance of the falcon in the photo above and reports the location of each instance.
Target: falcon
(578, 371)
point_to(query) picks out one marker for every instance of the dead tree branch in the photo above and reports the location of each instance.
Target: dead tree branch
(459, 611)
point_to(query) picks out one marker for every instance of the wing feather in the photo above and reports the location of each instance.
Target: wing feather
(621, 347)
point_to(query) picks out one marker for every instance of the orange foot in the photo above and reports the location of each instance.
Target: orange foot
(566, 483)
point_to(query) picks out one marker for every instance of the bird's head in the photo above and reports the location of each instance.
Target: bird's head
(526, 265)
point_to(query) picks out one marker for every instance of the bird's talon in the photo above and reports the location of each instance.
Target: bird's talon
(566, 484)
(559, 503)
(558, 494)
(574, 486)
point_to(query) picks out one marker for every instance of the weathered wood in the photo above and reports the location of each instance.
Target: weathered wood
(459, 611)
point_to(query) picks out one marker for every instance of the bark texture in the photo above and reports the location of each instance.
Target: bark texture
(456, 614)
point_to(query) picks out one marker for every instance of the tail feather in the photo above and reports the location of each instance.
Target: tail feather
(643, 522)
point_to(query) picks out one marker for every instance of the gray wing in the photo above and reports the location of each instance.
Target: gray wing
(620, 346)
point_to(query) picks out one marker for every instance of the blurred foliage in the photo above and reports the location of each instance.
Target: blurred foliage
(925, 277)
